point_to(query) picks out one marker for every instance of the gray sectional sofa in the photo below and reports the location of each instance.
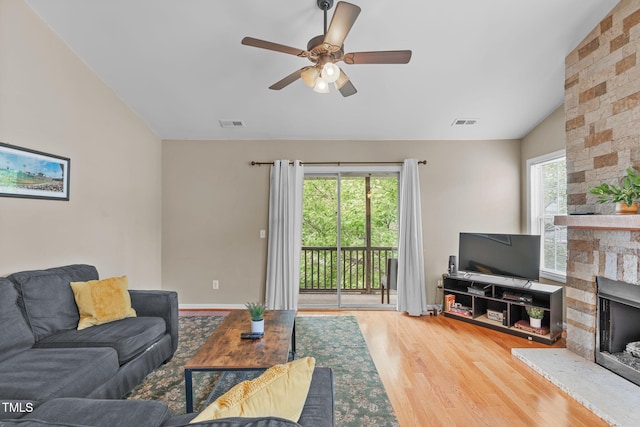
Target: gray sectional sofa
(51, 374)
(43, 356)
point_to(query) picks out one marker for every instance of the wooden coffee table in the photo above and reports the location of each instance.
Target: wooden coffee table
(226, 351)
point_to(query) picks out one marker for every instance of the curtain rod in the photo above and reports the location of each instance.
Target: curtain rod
(421, 162)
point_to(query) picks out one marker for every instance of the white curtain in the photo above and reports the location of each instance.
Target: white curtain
(412, 296)
(285, 228)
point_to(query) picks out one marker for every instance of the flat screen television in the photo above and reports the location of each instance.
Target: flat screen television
(512, 255)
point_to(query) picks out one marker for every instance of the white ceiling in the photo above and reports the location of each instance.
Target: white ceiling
(180, 65)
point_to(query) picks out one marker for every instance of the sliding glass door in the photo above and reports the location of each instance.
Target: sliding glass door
(349, 230)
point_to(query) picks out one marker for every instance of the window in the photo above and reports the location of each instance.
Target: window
(547, 177)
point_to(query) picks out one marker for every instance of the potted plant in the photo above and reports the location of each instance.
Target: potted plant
(625, 196)
(256, 311)
(535, 316)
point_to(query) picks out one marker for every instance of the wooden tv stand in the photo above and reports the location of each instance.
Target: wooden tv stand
(500, 303)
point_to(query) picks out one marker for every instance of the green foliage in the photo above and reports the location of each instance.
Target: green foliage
(319, 223)
(384, 212)
(319, 220)
(256, 310)
(628, 191)
(535, 312)
(319, 267)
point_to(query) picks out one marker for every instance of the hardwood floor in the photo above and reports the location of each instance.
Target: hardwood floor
(443, 372)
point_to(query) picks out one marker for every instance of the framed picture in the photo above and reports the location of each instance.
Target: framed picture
(32, 174)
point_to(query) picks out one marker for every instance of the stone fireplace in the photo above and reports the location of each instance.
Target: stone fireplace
(599, 246)
(602, 106)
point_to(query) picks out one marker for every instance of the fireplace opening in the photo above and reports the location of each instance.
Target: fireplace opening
(618, 323)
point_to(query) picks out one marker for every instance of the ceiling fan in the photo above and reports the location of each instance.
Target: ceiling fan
(327, 49)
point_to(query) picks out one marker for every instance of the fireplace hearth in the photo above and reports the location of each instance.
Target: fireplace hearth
(618, 323)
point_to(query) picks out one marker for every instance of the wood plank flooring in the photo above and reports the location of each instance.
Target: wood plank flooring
(443, 372)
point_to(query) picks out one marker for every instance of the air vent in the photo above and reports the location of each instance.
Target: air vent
(464, 122)
(231, 123)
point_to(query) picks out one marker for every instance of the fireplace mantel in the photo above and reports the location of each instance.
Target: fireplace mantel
(600, 222)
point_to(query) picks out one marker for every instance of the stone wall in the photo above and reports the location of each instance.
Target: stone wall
(602, 106)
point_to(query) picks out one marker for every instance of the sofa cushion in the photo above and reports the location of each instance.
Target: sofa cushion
(15, 335)
(47, 299)
(129, 337)
(102, 301)
(43, 374)
(99, 413)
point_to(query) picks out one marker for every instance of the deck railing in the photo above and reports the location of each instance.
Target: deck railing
(361, 268)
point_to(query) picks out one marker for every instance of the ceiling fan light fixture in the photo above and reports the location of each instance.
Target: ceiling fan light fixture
(330, 72)
(309, 76)
(321, 86)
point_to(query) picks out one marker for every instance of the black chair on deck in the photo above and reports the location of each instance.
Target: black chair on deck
(390, 281)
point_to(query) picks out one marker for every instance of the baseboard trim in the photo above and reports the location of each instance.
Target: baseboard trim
(210, 306)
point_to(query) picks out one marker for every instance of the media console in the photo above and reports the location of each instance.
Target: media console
(500, 303)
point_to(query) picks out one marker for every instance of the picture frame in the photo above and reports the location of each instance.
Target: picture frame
(33, 174)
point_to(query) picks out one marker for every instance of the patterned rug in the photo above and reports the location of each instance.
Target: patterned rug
(336, 342)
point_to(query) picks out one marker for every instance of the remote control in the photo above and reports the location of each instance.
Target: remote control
(251, 335)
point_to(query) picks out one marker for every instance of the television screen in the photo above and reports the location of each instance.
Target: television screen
(513, 255)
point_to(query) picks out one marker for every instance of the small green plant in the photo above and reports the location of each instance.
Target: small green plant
(628, 191)
(535, 312)
(256, 310)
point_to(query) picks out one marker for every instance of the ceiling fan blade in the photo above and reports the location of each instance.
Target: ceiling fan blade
(344, 85)
(348, 89)
(263, 44)
(287, 80)
(341, 22)
(378, 57)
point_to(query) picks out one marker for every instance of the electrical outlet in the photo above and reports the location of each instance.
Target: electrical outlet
(216, 285)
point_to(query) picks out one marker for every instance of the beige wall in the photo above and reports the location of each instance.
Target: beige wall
(547, 137)
(214, 205)
(50, 101)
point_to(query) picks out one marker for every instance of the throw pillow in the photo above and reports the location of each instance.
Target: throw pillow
(280, 391)
(102, 301)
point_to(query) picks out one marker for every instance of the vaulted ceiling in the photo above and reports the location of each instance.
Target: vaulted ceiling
(180, 66)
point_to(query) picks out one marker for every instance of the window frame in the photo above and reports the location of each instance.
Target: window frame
(534, 203)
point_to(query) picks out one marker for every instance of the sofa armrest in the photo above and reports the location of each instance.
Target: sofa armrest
(164, 304)
(319, 408)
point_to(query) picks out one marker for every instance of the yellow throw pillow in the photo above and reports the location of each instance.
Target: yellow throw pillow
(102, 301)
(280, 391)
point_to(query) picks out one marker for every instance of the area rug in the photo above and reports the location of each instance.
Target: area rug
(335, 342)
(166, 383)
